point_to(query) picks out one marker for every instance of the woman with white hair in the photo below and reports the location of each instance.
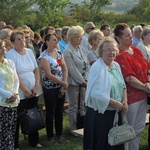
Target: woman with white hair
(105, 94)
(137, 35)
(5, 35)
(144, 45)
(78, 67)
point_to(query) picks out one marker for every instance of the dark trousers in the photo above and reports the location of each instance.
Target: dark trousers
(54, 110)
(149, 132)
(96, 128)
(34, 136)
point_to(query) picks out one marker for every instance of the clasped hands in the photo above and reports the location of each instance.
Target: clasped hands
(13, 98)
(63, 89)
(31, 93)
(147, 88)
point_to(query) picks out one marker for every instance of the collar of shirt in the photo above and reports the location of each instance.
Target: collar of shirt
(4, 63)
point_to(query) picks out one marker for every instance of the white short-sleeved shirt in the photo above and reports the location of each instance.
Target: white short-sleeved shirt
(25, 65)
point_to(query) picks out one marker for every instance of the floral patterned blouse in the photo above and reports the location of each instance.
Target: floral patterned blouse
(137, 66)
(56, 69)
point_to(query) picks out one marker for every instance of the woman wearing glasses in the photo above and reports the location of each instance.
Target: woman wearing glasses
(105, 94)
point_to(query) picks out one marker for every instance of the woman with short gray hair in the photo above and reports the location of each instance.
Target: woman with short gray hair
(105, 94)
(5, 35)
(144, 45)
(95, 37)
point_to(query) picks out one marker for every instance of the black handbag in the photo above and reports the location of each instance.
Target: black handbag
(80, 119)
(32, 120)
(148, 100)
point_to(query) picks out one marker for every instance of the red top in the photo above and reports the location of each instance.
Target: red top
(137, 66)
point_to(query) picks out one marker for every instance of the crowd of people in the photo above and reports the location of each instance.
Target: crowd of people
(107, 69)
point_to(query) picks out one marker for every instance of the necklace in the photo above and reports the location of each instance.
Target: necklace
(128, 50)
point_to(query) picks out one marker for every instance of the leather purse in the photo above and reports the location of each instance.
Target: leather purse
(32, 120)
(120, 134)
(148, 100)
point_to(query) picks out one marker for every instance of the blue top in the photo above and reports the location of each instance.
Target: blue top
(136, 41)
(62, 45)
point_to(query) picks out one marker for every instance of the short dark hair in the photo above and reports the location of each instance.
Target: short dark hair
(104, 26)
(48, 29)
(47, 38)
(142, 25)
(14, 34)
(37, 36)
(118, 30)
(42, 32)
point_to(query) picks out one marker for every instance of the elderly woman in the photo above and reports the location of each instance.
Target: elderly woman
(28, 42)
(135, 70)
(105, 94)
(136, 35)
(5, 35)
(54, 83)
(78, 67)
(144, 47)
(94, 39)
(28, 74)
(9, 85)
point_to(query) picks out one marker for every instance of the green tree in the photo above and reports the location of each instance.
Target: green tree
(96, 5)
(141, 10)
(15, 12)
(51, 11)
(89, 11)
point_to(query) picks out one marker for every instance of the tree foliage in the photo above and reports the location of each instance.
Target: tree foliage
(51, 11)
(141, 10)
(89, 11)
(15, 11)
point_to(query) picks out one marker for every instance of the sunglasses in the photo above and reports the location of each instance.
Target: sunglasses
(92, 28)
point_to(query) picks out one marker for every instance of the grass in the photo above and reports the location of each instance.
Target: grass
(75, 142)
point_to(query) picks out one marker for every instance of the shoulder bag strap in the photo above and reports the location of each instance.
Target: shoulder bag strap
(115, 123)
(124, 119)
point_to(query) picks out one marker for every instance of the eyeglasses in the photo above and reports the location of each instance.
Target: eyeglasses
(78, 37)
(110, 50)
(92, 28)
